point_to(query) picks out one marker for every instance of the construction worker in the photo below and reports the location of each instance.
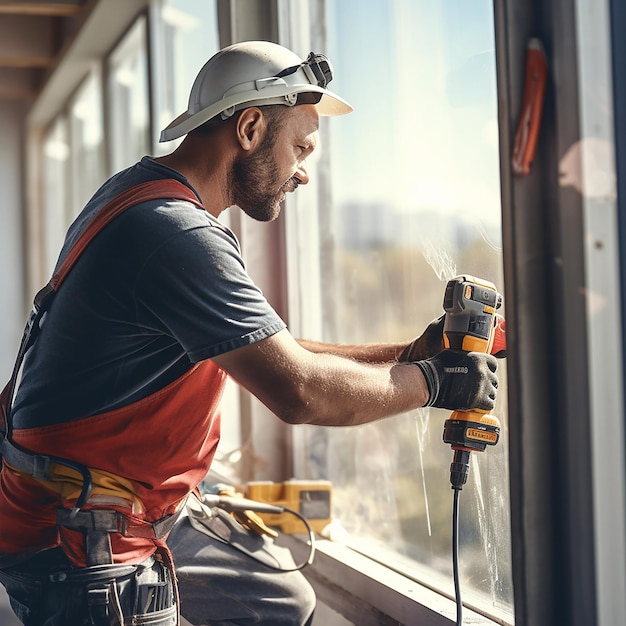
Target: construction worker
(115, 419)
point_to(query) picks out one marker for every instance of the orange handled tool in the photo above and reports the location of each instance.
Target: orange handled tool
(470, 324)
(532, 107)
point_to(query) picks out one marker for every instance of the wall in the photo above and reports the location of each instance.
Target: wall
(11, 257)
(11, 239)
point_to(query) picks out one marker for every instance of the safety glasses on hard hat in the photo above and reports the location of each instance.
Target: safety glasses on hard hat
(317, 69)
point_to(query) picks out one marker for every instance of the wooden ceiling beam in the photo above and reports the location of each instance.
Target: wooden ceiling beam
(48, 9)
(17, 93)
(26, 62)
(33, 37)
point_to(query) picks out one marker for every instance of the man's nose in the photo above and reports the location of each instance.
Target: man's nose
(301, 174)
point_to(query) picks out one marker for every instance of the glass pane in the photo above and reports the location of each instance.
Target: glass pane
(189, 38)
(410, 198)
(56, 153)
(86, 132)
(185, 38)
(129, 102)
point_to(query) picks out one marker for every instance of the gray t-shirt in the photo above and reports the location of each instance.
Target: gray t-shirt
(163, 286)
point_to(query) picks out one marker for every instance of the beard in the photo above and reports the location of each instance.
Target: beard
(252, 182)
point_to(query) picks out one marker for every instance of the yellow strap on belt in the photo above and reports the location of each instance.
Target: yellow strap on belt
(107, 488)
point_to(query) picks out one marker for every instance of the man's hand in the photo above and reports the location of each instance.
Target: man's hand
(427, 345)
(430, 342)
(461, 381)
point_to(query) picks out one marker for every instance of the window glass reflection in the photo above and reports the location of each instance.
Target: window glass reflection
(56, 152)
(188, 39)
(129, 102)
(87, 153)
(413, 199)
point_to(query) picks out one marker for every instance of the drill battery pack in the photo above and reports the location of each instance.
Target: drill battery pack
(309, 498)
(471, 431)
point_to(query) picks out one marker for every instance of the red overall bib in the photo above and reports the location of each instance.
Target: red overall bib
(145, 457)
(163, 445)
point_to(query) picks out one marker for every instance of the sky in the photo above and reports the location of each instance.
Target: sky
(421, 78)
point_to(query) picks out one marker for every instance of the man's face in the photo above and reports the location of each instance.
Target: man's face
(260, 180)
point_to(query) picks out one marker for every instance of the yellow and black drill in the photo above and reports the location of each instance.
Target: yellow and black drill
(470, 324)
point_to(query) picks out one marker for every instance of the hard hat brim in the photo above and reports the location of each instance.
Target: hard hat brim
(330, 104)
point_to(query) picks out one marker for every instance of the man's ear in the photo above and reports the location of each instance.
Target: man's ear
(251, 128)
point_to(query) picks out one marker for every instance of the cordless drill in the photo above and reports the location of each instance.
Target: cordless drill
(470, 305)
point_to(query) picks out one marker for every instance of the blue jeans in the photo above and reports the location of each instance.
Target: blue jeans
(217, 583)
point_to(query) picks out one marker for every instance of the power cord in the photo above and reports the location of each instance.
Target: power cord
(455, 556)
(231, 505)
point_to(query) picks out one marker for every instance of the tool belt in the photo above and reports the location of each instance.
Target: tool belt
(97, 526)
(117, 595)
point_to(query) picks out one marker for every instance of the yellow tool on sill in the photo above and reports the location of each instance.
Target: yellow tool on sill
(310, 498)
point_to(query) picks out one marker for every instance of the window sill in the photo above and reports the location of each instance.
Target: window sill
(367, 593)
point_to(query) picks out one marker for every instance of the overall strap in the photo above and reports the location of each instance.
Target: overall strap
(39, 465)
(167, 188)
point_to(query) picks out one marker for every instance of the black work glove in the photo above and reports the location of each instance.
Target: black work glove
(461, 381)
(428, 344)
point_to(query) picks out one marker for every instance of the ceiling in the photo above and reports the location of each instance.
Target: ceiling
(33, 36)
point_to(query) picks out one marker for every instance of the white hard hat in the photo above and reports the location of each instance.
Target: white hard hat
(256, 73)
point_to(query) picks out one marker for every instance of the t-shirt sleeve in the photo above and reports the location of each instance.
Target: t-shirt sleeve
(195, 287)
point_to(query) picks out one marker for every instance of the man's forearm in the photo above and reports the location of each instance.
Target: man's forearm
(366, 353)
(328, 385)
(312, 383)
(335, 391)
